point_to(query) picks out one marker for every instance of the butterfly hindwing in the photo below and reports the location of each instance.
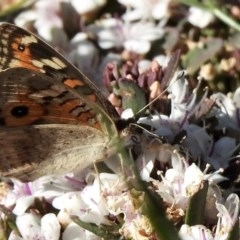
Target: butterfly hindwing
(32, 151)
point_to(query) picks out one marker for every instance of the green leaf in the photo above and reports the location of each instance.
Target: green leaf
(132, 95)
(14, 7)
(148, 201)
(7, 223)
(235, 234)
(98, 230)
(196, 206)
(195, 58)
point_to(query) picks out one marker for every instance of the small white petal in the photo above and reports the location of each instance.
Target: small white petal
(13, 236)
(193, 175)
(161, 9)
(195, 232)
(71, 201)
(236, 98)
(199, 17)
(137, 46)
(162, 60)
(64, 218)
(143, 65)
(22, 204)
(127, 113)
(50, 227)
(145, 173)
(107, 39)
(29, 226)
(73, 232)
(87, 6)
(25, 17)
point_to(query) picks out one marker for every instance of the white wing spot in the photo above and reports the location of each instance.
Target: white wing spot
(29, 39)
(14, 63)
(37, 63)
(5, 50)
(59, 62)
(4, 35)
(53, 64)
(4, 42)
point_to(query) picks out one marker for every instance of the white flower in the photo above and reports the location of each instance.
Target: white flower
(47, 20)
(163, 125)
(153, 151)
(114, 192)
(87, 6)
(118, 200)
(236, 97)
(25, 17)
(142, 9)
(184, 101)
(198, 141)
(83, 54)
(228, 215)
(22, 204)
(181, 181)
(127, 114)
(162, 60)
(88, 204)
(32, 227)
(113, 32)
(172, 188)
(75, 232)
(144, 64)
(199, 18)
(221, 153)
(138, 228)
(74, 204)
(227, 111)
(197, 232)
(20, 195)
(184, 104)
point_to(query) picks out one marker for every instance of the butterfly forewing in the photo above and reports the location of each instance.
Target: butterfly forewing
(28, 97)
(19, 48)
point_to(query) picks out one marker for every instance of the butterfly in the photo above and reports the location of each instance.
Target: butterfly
(53, 119)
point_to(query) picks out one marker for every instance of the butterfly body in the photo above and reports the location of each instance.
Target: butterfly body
(53, 119)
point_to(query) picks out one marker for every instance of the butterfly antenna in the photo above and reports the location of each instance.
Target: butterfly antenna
(180, 75)
(144, 129)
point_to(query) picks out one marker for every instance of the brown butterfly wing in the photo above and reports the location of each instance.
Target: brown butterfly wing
(28, 97)
(47, 127)
(30, 152)
(19, 48)
(51, 115)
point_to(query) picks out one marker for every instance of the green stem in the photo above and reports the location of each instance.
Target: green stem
(226, 19)
(152, 205)
(212, 7)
